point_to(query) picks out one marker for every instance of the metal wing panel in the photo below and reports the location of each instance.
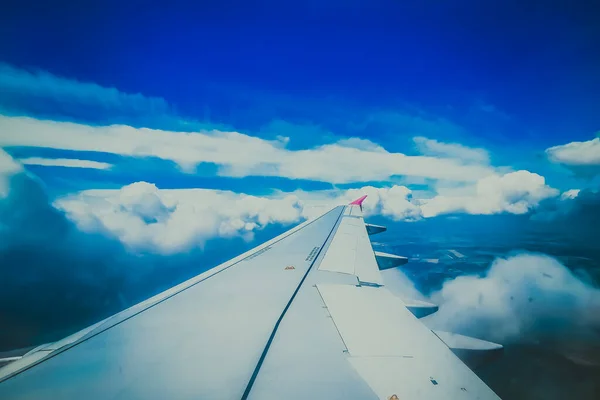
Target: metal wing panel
(344, 339)
(350, 251)
(308, 359)
(393, 351)
(203, 341)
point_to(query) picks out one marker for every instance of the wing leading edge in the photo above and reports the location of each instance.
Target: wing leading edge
(305, 315)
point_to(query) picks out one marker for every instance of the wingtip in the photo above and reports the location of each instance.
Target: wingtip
(359, 201)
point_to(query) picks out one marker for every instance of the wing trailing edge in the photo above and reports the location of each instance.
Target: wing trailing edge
(472, 351)
(387, 261)
(375, 229)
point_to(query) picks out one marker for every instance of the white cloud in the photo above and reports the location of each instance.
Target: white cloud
(144, 217)
(514, 192)
(570, 194)
(576, 153)
(519, 297)
(167, 221)
(433, 147)
(237, 154)
(393, 202)
(18, 86)
(361, 144)
(171, 220)
(8, 168)
(64, 162)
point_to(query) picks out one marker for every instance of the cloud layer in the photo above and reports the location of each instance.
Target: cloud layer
(453, 150)
(523, 297)
(146, 218)
(8, 167)
(514, 192)
(64, 162)
(52, 276)
(56, 279)
(84, 248)
(165, 221)
(237, 154)
(576, 153)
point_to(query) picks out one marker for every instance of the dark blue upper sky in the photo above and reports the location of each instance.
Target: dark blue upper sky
(512, 77)
(535, 61)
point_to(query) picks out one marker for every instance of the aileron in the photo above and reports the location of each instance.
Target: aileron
(393, 351)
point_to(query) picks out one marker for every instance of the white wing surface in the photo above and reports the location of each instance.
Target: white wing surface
(303, 316)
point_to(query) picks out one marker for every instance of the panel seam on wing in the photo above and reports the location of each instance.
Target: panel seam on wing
(275, 328)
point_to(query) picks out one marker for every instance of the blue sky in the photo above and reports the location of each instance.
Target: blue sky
(510, 79)
(142, 143)
(450, 110)
(165, 128)
(525, 61)
(462, 107)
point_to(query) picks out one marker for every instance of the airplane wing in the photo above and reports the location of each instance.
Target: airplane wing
(305, 315)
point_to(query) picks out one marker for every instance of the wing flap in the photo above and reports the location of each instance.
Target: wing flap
(393, 351)
(388, 261)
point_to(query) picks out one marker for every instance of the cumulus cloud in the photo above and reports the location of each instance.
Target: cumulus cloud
(514, 192)
(237, 154)
(361, 144)
(394, 202)
(576, 153)
(522, 297)
(56, 278)
(79, 245)
(64, 162)
(569, 194)
(168, 221)
(451, 150)
(8, 167)
(576, 218)
(52, 276)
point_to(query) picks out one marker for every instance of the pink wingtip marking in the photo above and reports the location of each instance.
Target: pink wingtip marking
(358, 202)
